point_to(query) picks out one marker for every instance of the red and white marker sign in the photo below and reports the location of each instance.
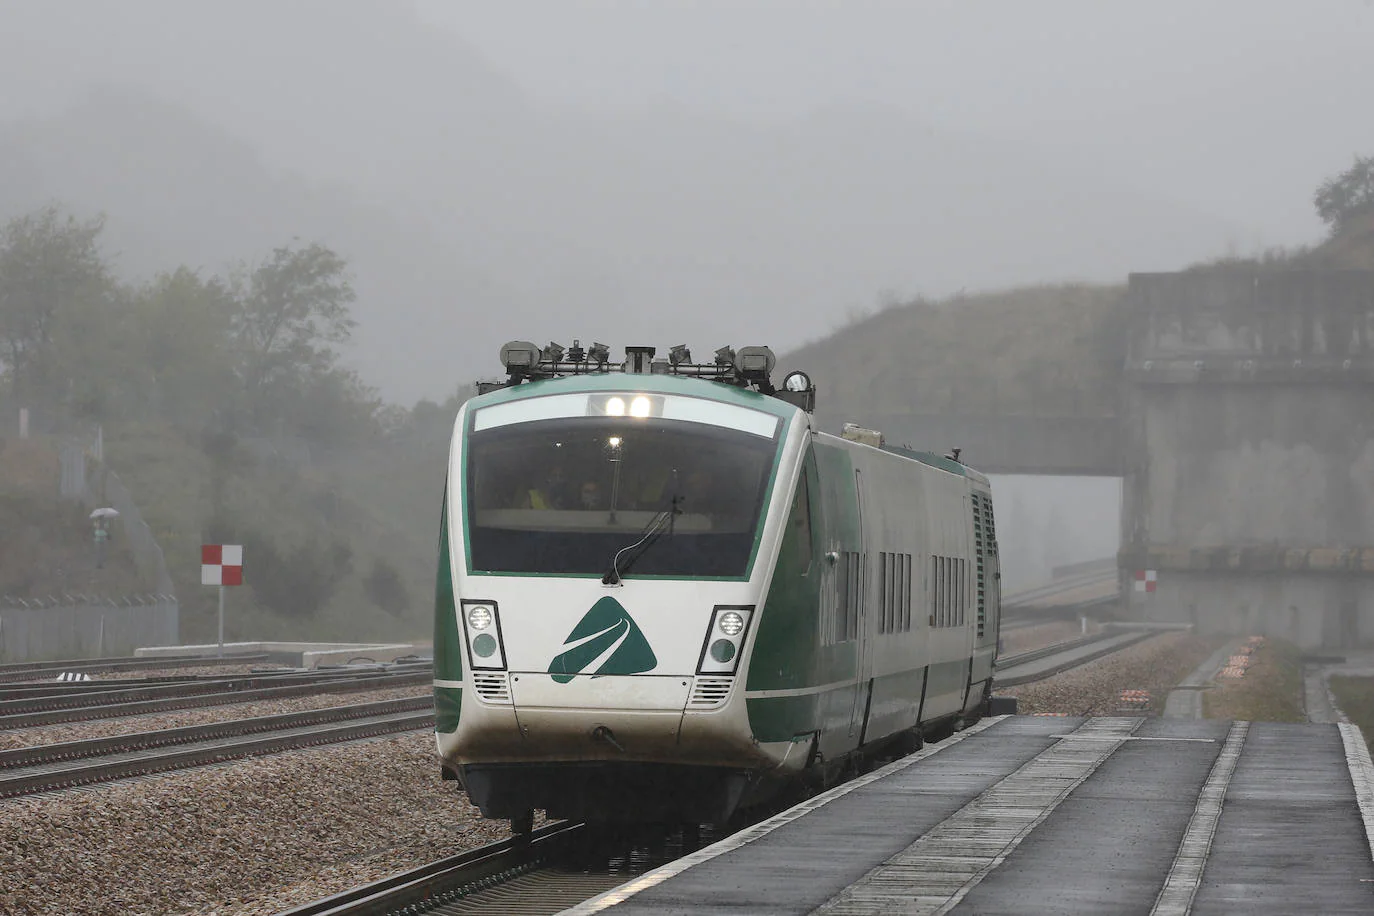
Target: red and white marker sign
(221, 564)
(1146, 579)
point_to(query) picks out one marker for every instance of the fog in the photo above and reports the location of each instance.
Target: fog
(743, 172)
(737, 171)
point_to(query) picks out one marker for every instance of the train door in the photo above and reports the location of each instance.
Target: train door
(859, 619)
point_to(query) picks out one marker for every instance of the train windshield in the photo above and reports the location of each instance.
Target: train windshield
(563, 494)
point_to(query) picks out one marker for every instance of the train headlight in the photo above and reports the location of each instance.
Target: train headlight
(615, 407)
(724, 644)
(482, 635)
(640, 407)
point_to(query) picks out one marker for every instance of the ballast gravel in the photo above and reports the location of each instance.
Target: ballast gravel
(1026, 639)
(207, 715)
(1156, 665)
(254, 836)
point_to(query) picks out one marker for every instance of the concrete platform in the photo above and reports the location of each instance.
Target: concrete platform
(298, 654)
(1024, 814)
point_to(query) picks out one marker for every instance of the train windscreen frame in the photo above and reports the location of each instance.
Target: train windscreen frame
(557, 485)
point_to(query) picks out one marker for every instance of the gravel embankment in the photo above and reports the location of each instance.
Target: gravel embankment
(207, 715)
(256, 836)
(1156, 665)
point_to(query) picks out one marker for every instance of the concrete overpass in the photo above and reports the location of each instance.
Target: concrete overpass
(1244, 435)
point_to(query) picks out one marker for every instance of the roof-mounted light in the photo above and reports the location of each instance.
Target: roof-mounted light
(747, 367)
(755, 362)
(519, 356)
(798, 389)
(639, 359)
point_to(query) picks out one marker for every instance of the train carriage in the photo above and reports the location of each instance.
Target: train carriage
(662, 593)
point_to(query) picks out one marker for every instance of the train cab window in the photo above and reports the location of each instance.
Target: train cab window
(563, 495)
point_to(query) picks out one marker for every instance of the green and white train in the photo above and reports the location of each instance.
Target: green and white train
(662, 593)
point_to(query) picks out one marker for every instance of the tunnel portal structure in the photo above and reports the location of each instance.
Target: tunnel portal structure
(1247, 450)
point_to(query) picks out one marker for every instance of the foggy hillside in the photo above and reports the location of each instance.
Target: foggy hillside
(472, 215)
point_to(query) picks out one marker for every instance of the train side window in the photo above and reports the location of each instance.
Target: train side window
(906, 598)
(858, 588)
(959, 589)
(885, 593)
(894, 566)
(939, 591)
(944, 591)
(882, 592)
(838, 627)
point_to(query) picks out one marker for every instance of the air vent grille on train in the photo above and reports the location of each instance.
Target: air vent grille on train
(710, 691)
(494, 688)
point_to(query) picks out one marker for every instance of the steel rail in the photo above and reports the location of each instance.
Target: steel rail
(168, 737)
(25, 671)
(218, 694)
(219, 750)
(1005, 673)
(449, 878)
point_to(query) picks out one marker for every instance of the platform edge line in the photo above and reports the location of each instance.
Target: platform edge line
(653, 878)
(1361, 768)
(1185, 874)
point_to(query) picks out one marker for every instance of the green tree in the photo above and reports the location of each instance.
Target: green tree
(385, 588)
(185, 355)
(1347, 195)
(290, 311)
(55, 290)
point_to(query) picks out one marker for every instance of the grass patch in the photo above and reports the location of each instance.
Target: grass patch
(1355, 697)
(1271, 689)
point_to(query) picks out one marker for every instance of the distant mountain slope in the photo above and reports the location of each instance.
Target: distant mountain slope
(1045, 350)
(499, 218)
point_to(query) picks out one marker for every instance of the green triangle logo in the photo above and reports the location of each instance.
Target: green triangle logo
(605, 632)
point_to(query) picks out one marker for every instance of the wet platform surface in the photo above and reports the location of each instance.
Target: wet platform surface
(1058, 815)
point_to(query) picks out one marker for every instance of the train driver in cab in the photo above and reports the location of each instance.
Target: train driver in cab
(553, 493)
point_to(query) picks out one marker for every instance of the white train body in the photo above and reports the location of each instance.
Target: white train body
(781, 598)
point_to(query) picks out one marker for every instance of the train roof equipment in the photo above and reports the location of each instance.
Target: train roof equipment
(747, 367)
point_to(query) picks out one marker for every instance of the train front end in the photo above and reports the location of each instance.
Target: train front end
(600, 577)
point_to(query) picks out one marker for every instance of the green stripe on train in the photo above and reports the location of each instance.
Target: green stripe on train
(448, 655)
(448, 705)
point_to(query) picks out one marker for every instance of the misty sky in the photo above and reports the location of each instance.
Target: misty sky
(1233, 104)
(666, 171)
(741, 171)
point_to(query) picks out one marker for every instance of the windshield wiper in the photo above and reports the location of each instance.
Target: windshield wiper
(663, 521)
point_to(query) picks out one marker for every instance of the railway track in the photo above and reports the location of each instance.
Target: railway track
(556, 867)
(53, 704)
(31, 671)
(1038, 664)
(25, 771)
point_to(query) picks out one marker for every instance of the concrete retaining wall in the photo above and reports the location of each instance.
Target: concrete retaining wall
(84, 630)
(1249, 434)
